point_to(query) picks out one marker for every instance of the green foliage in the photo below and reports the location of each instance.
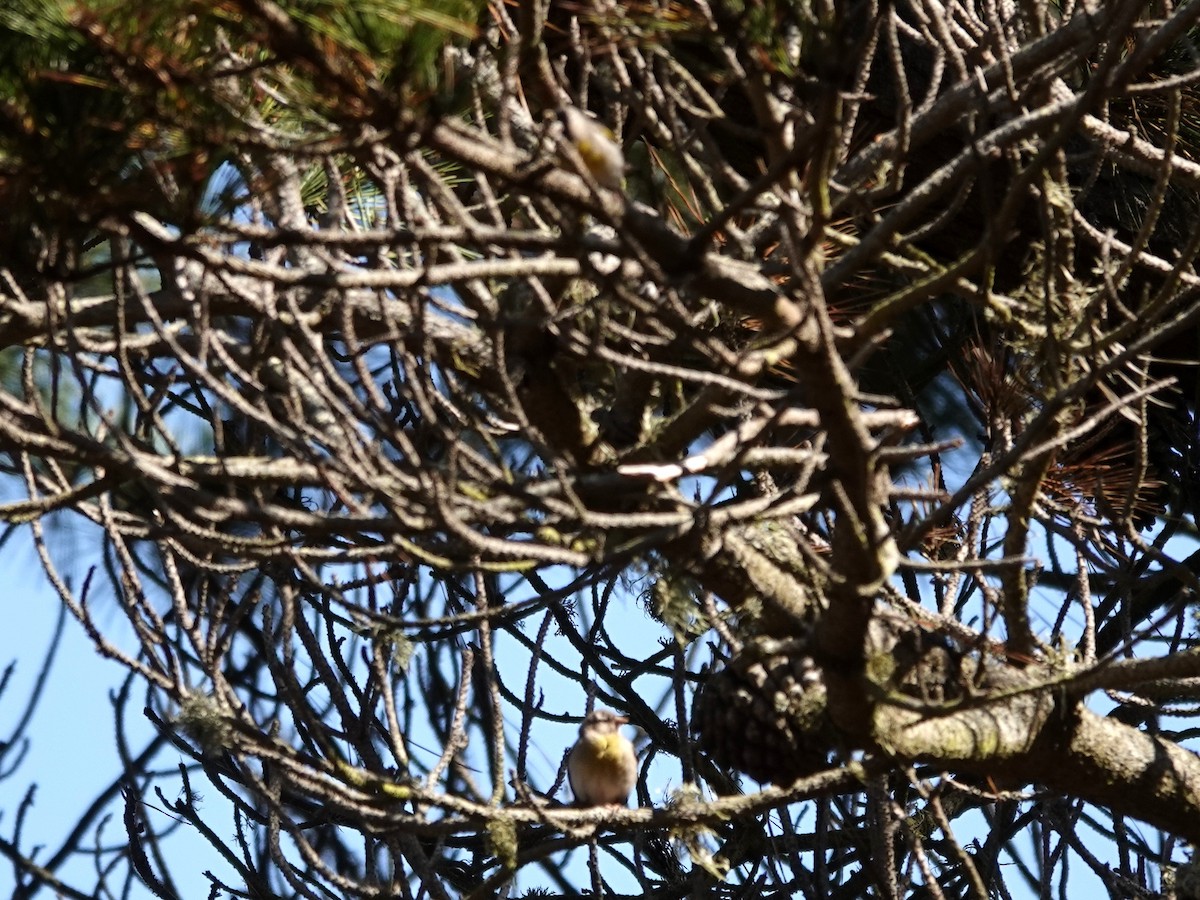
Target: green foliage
(380, 29)
(110, 105)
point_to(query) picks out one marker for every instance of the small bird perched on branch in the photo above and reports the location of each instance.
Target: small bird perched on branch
(597, 147)
(602, 766)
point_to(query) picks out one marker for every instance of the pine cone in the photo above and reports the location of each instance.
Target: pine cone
(764, 713)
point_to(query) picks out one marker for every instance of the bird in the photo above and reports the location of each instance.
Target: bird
(597, 147)
(602, 765)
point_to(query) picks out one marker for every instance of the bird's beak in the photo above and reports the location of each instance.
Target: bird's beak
(621, 720)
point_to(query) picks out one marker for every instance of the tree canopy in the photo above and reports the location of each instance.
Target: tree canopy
(847, 444)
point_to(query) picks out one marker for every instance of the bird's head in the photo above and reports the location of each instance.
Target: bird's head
(601, 722)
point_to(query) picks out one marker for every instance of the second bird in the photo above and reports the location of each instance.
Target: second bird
(597, 147)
